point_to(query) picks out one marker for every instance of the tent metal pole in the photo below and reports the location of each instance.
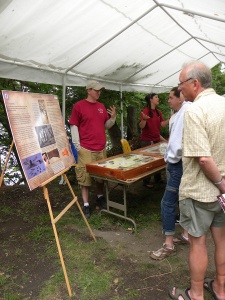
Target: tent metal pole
(121, 109)
(64, 99)
(190, 12)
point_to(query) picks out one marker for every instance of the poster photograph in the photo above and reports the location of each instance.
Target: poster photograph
(39, 135)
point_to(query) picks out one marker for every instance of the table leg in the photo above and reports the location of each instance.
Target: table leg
(121, 207)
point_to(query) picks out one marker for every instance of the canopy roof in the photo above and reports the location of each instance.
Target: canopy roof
(130, 45)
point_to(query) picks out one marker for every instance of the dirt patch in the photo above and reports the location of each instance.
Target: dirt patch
(141, 244)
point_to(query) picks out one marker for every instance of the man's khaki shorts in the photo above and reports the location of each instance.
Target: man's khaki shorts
(197, 217)
(85, 157)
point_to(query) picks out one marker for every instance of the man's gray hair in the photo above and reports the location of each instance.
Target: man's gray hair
(197, 70)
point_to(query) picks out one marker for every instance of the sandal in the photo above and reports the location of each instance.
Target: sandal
(181, 240)
(208, 285)
(179, 293)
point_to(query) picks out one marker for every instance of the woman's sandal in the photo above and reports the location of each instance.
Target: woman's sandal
(179, 293)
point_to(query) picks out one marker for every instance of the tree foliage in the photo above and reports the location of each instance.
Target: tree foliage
(218, 79)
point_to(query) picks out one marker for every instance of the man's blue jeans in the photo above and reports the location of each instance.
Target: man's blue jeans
(171, 197)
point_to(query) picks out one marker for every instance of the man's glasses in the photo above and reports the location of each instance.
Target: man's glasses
(180, 83)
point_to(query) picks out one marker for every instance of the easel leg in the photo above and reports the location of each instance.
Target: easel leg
(6, 162)
(78, 205)
(57, 239)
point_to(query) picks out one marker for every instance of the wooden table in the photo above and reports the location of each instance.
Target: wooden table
(125, 185)
(112, 170)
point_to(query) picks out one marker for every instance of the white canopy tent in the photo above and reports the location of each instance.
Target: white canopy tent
(130, 45)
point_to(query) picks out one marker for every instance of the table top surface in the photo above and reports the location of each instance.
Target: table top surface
(128, 162)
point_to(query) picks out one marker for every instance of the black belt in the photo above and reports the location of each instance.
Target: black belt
(180, 161)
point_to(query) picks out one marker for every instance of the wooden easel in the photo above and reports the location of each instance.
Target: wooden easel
(27, 97)
(55, 220)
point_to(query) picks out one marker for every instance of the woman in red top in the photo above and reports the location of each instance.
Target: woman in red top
(151, 120)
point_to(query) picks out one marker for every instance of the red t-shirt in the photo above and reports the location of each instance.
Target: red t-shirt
(151, 131)
(90, 119)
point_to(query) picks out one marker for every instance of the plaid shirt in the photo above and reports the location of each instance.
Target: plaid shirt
(204, 135)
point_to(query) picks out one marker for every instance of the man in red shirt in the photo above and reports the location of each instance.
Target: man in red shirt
(88, 122)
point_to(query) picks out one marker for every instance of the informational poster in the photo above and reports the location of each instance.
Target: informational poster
(39, 135)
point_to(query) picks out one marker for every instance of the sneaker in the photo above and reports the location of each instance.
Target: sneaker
(86, 211)
(163, 253)
(101, 202)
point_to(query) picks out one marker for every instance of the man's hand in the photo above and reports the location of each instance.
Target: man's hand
(112, 111)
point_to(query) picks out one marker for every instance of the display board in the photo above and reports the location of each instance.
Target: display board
(156, 150)
(39, 135)
(124, 166)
